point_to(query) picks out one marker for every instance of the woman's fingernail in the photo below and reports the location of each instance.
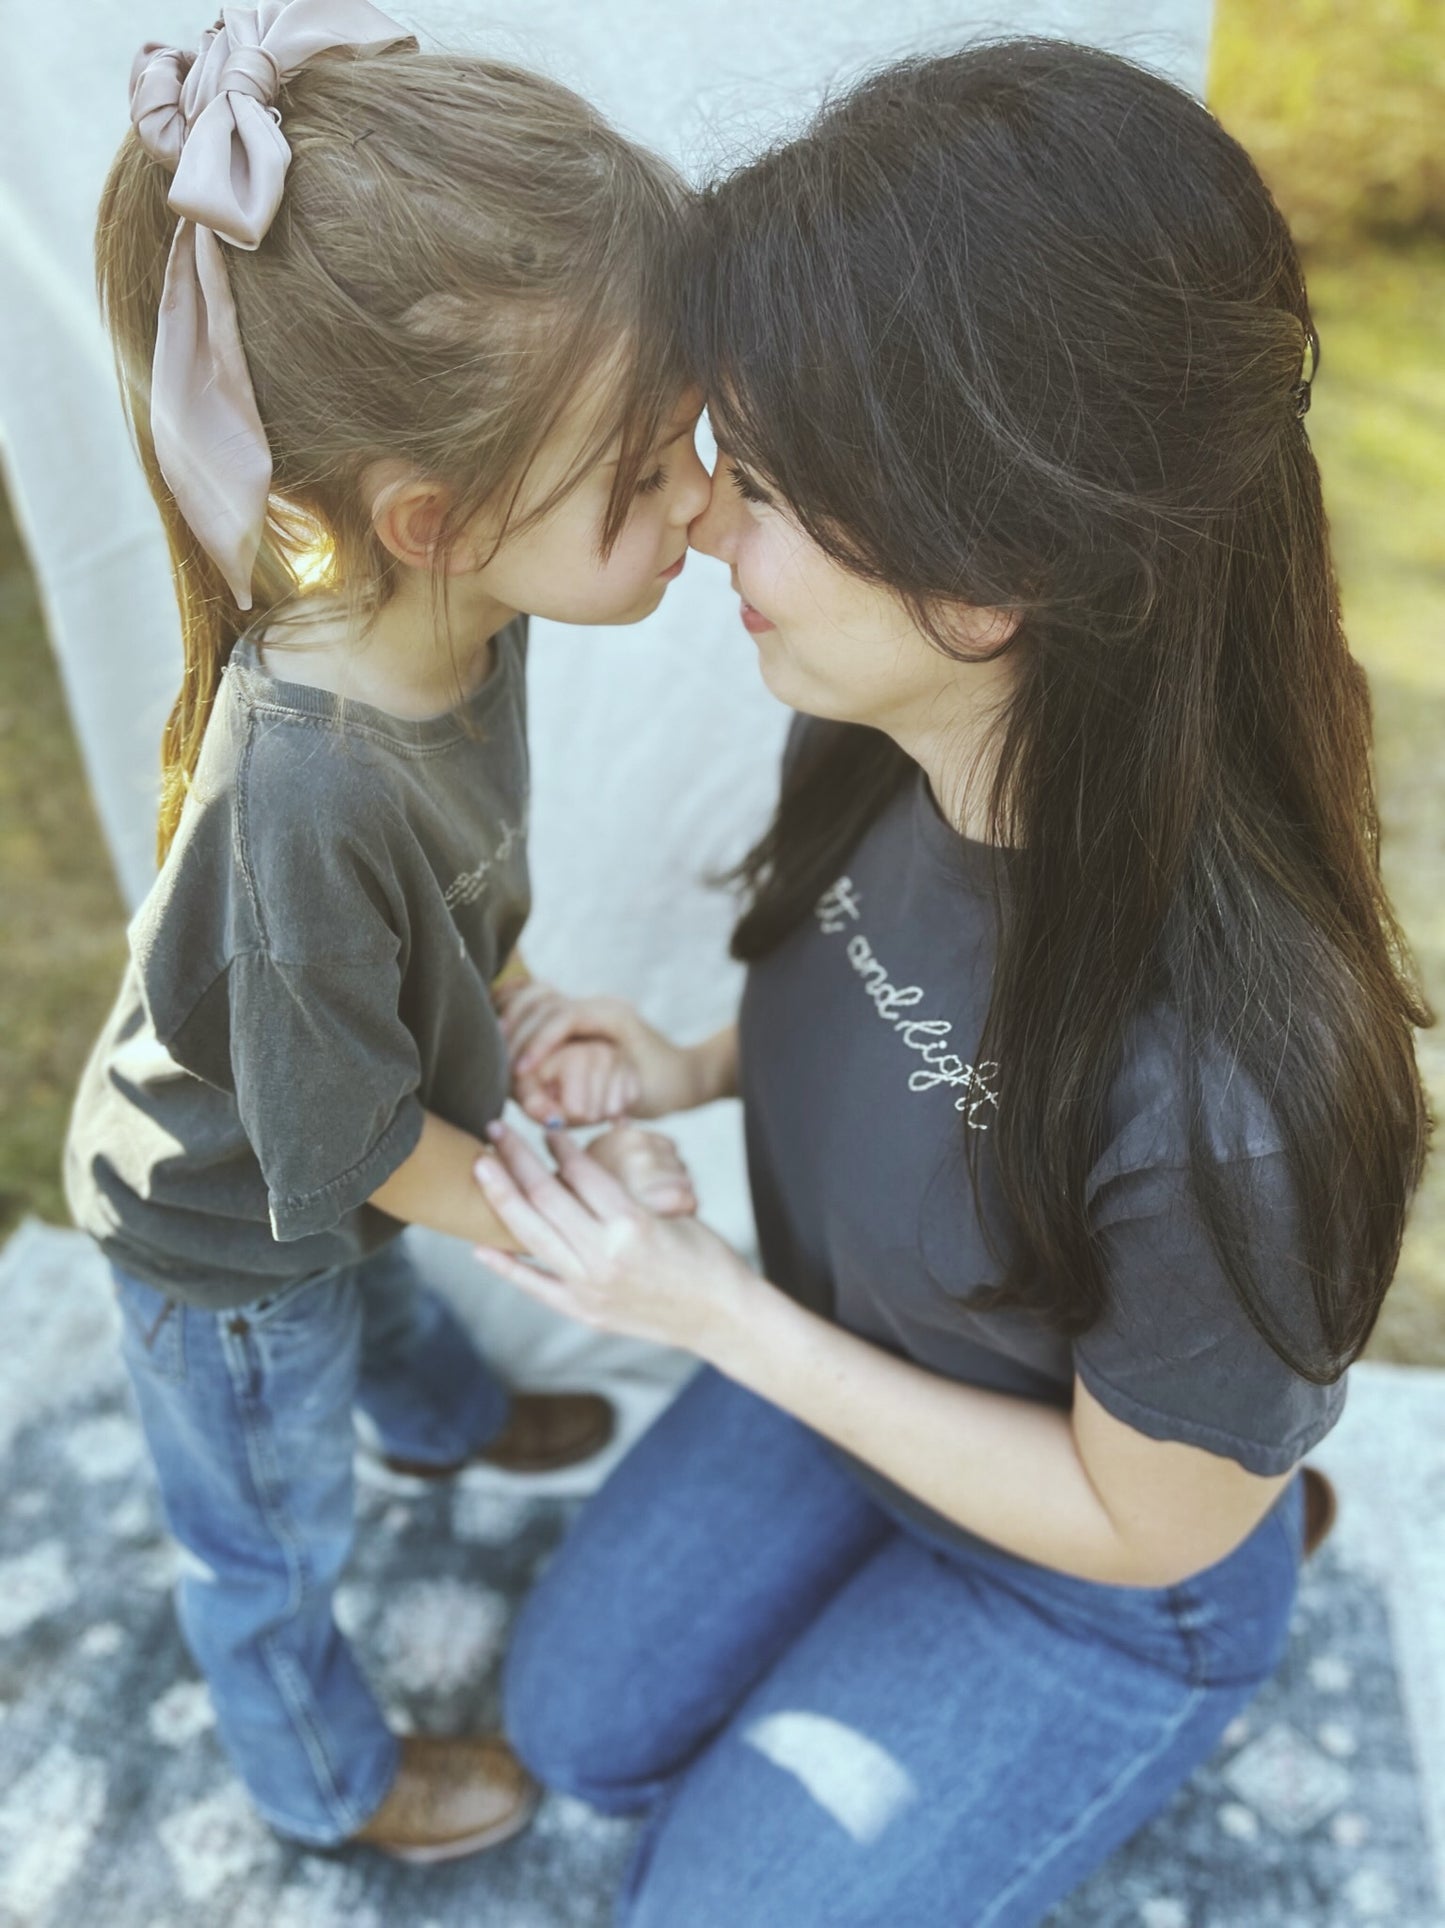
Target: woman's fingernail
(554, 1123)
(495, 1130)
(485, 1170)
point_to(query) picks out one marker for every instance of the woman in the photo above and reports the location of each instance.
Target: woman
(1076, 1048)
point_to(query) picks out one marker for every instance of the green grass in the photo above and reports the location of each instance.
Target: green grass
(1339, 104)
(1378, 423)
(60, 963)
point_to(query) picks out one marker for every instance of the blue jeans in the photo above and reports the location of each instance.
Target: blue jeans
(832, 1721)
(248, 1416)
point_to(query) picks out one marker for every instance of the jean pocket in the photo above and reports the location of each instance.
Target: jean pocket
(153, 1328)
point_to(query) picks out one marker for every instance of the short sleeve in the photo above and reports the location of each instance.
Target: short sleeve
(1176, 1356)
(326, 1076)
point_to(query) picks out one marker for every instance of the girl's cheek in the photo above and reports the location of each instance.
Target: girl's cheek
(632, 563)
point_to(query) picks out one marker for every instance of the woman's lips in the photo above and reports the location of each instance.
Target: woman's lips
(754, 622)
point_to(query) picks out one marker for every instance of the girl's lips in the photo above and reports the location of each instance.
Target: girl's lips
(674, 570)
(754, 622)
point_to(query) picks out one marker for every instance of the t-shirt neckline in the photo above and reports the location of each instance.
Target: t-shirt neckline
(983, 866)
(350, 712)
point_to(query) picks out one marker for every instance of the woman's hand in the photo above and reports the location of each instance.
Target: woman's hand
(649, 1167)
(609, 1262)
(583, 1061)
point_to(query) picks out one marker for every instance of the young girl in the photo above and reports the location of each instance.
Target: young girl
(1076, 1047)
(435, 364)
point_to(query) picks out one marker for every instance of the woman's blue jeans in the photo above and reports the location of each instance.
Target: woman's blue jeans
(833, 1722)
(248, 1416)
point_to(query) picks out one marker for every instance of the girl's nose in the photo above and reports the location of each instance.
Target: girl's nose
(713, 532)
(693, 492)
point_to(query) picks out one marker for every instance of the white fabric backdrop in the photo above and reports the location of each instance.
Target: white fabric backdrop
(655, 748)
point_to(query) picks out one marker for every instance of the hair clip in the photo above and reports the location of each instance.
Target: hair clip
(1302, 388)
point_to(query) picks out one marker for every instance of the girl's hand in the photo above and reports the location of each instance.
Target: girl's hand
(582, 1061)
(649, 1167)
(608, 1262)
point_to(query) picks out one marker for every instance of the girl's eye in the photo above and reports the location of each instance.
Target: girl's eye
(746, 487)
(650, 484)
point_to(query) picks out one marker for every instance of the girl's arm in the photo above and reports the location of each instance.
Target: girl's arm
(512, 976)
(1077, 1491)
(434, 1187)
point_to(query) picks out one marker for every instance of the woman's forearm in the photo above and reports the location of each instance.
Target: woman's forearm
(1081, 1490)
(435, 1187)
(1007, 1469)
(714, 1067)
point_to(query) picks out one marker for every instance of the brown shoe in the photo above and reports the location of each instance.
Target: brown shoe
(1321, 1508)
(545, 1432)
(451, 1798)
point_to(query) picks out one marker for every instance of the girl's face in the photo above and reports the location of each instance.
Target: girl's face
(554, 569)
(828, 643)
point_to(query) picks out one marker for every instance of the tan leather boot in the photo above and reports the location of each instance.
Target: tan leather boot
(544, 1432)
(451, 1798)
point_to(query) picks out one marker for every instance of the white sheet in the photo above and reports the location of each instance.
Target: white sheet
(655, 748)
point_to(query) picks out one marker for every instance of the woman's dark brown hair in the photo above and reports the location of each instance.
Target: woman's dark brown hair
(1021, 327)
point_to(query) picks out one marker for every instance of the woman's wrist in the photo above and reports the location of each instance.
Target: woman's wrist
(733, 1336)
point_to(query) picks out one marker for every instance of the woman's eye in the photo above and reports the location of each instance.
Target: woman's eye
(650, 484)
(746, 487)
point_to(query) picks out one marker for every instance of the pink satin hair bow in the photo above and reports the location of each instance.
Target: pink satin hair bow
(211, 118)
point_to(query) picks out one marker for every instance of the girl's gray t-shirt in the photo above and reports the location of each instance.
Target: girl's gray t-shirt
(861, 1085)
(310, 972)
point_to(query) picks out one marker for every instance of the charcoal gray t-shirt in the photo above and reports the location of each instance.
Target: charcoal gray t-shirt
(861, 1082)
(310, 971)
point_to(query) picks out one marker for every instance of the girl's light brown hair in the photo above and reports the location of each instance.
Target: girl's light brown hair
(461, 245)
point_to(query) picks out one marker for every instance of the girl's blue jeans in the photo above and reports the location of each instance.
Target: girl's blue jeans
(831, 1721)
(248, 1416)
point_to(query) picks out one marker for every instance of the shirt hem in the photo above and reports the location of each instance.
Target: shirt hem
(321, 1210)
(1266, 1459)
(191, 1284)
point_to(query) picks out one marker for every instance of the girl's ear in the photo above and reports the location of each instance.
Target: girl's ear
(408, 512)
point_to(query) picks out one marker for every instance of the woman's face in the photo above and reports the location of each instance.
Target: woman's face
(828, 643)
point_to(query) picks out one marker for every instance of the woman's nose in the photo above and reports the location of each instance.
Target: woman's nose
(713, 533)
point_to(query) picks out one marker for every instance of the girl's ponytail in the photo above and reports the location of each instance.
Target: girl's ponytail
(132, 241)
(165, 292)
